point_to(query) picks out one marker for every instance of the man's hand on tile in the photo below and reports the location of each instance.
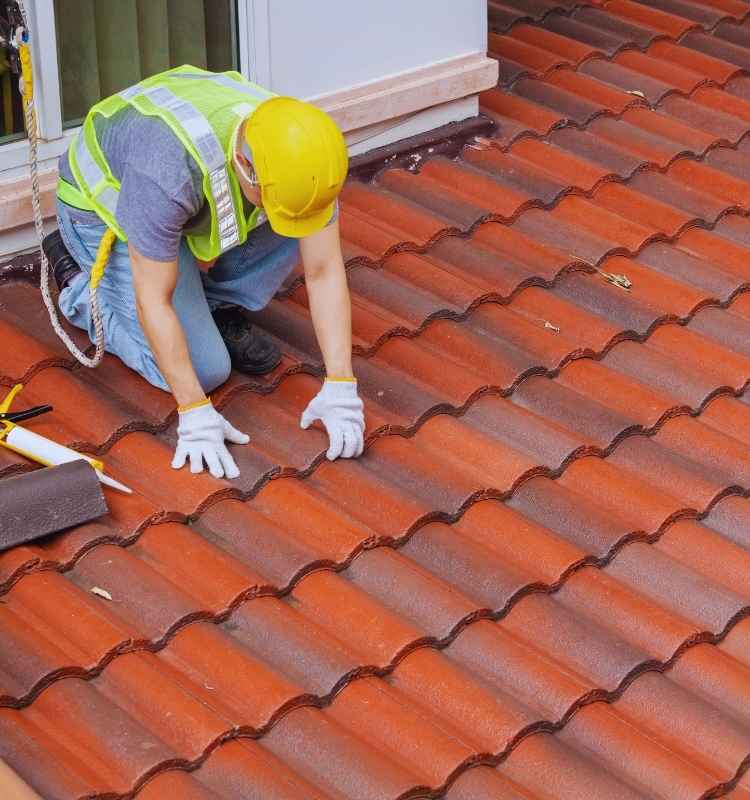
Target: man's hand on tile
(201, 434)
(338, 406)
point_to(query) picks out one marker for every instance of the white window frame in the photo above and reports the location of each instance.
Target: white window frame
(254, 30)
(14, 156)
(253, 35)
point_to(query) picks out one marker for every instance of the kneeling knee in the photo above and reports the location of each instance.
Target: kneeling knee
(215, 371)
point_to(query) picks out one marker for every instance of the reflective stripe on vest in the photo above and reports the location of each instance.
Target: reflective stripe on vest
(204, 140)
(256, 92)
(93, 175)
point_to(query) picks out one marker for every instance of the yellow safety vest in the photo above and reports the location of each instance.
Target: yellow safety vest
(204, 109)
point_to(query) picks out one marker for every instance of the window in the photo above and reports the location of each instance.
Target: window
(84, 50)
(11, 110)
(107, 45)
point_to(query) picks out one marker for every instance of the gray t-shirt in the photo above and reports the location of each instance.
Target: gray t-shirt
(161, 186)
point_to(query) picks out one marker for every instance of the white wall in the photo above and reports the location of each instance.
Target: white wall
(320, 46)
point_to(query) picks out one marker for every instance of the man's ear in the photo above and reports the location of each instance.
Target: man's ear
(245, 168)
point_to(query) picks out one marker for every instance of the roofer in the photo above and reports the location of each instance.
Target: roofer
(213, 187)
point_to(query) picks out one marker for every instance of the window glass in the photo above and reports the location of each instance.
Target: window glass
(11, 108)
(105, 46)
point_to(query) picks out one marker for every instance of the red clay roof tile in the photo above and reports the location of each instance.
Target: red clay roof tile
(671, 25)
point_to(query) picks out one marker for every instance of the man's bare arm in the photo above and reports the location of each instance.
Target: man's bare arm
(328, 293)
(154, 283)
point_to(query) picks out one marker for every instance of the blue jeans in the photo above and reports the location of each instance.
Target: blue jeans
(248, 275)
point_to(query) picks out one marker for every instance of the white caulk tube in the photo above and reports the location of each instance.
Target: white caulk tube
(44, 450)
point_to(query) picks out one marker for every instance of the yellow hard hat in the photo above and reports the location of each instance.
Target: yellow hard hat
(300, 159)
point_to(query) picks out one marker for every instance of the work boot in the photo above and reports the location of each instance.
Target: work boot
(64, 268)
(250, 350)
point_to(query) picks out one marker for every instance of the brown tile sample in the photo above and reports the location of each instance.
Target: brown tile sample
(48, 500)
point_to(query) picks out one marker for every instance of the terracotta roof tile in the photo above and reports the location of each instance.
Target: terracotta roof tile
(535, 581)
(671, 25)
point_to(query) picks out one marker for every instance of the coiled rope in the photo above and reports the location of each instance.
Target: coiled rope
(107, 240)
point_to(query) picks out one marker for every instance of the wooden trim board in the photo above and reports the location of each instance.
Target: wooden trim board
(410, 92)
(15, 200)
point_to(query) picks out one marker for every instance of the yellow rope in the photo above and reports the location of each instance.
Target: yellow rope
(102, 257)
(26, 74)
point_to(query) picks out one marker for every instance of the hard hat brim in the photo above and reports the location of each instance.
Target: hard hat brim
(302, 227)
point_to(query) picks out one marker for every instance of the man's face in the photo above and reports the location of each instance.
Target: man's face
(247, 179)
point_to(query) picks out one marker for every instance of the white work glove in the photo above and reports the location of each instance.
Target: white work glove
(340, 409)
(201, 433)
